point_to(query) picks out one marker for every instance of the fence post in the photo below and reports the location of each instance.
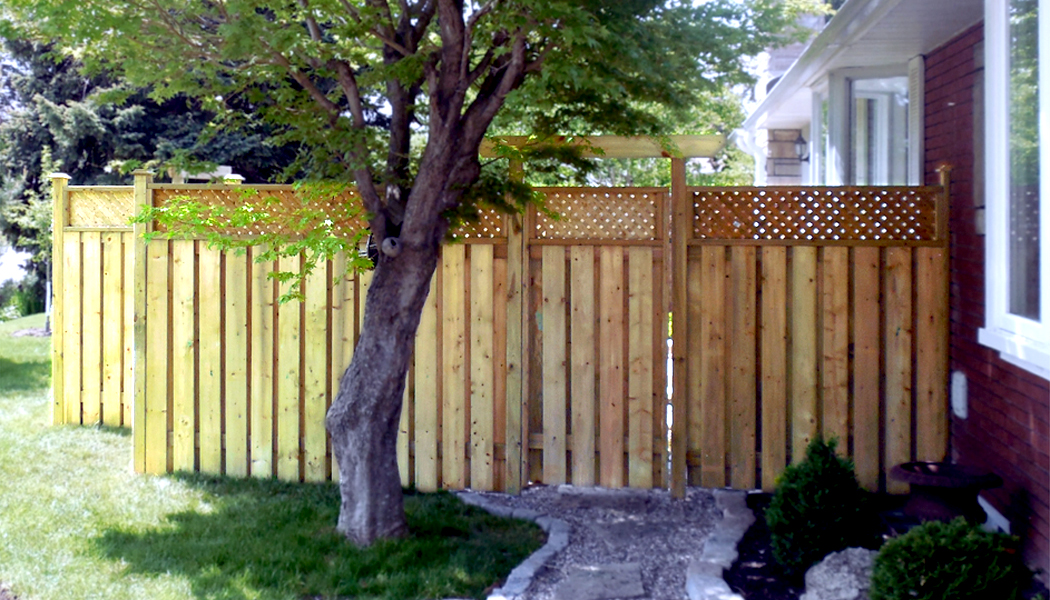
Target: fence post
(681, 225)
(60, 217)
(142, 200)
(517, 340)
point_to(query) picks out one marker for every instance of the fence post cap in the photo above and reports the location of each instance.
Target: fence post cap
(60, 176)
(141, 172)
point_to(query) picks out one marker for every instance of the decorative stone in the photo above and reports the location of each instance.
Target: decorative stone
(844, 575)
(601, 582)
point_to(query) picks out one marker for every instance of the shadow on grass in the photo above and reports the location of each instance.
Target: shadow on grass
(265, 539)
(24, 376)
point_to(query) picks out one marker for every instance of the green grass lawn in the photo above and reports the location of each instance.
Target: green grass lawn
(77, 523)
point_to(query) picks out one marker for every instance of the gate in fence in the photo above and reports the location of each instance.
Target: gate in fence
(542, 350)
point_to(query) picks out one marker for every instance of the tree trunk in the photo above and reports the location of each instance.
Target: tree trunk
(363, 419)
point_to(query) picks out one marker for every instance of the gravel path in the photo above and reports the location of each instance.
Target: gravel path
(610, 527)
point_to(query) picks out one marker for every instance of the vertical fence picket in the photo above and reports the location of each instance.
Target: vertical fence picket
(112, 343)
(482, 353)
(209, 369)
(190, 346)
(555, 365)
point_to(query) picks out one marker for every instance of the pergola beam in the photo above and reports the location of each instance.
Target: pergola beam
(614, 146)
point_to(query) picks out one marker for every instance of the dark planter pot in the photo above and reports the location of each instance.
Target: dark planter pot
(942, 491)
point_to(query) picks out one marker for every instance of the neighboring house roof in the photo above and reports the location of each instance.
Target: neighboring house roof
(863, 33)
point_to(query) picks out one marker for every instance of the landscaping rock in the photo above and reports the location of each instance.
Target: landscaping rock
(844, 575)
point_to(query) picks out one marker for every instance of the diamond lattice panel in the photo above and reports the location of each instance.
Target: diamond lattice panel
(282, 208)
(817, 214)
(596, 214)
(101, 207)
(489, 225)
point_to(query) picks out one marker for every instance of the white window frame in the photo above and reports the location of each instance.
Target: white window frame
(839, 170)
(1020, 341)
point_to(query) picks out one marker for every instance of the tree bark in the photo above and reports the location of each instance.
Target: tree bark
(363, 419)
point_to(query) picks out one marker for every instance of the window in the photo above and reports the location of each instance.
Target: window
(879, 131)
(870, 116)
(1017, 305)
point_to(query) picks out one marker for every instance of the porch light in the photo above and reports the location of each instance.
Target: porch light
(801, 148)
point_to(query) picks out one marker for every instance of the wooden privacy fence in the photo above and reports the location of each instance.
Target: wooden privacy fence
(541, 354)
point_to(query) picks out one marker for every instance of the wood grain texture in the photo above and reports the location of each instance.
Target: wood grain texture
(774, 365)
(482, 373)
(454, 406)
(209, 374)
(834, 366)
(867, 371)
(236, 364)
(931, 354)
(555, 365)
(804, 350)
(897, 304)
(713, 367)
(640, 367)
(611, 367)
(183, 355)
(583, 365)
(743, 333)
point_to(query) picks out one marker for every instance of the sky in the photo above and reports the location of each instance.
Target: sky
(10, 264)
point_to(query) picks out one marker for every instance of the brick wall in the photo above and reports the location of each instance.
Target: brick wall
(1008, 427)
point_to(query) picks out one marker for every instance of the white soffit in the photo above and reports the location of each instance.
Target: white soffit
(864, 33)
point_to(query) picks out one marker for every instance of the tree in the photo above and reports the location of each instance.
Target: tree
(354, 80)
(54, 117)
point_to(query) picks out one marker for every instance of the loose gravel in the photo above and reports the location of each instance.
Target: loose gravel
(610, 527)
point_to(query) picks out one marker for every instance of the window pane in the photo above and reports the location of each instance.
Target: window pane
(879, 148)
(1024, 159)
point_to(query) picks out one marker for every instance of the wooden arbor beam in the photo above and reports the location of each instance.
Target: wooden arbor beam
(614, 146)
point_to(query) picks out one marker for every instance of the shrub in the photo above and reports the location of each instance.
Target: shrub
(949, 561)
(818, 508)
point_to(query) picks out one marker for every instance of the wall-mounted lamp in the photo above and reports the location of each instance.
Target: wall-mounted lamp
(787, 150)
(801, 148)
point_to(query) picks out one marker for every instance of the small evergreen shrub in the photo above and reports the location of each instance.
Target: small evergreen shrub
(818, 508)
(949, 561)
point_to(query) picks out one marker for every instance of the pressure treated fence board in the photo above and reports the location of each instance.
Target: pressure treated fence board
(315, 375)
(541, 348)
(804, 350)
(866, 368)
(640, 364)
(183, 355)
(742, 396)
(127, 391)
(91, 353)
(112, 329)
(835, 346)
(898, 334)
(428, 433)
(555, 365)
(931, 352)
(236, 364)
(610, 366)
(773, 366)
(454, 352)
(583, 365)
(482, 375)
(712, 409)
(158, 335)
(262, 369)
(288, 402)
(210, 376)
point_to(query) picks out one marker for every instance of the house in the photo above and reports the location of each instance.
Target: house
(889, 91)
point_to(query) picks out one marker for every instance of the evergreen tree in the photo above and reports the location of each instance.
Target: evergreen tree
(96, 128)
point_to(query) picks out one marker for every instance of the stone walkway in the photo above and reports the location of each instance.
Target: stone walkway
(623, 544)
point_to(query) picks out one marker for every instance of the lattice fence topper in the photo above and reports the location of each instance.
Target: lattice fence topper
(847, 213)
(597, 214)
(101, 207)
(284, 207)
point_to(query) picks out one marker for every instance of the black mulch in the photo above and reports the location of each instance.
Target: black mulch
(756, 576)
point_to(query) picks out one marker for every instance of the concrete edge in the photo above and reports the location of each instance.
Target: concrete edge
(522, 575)
(704, 579)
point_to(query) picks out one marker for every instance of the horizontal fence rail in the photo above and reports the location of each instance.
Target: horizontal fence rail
(542, 349)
